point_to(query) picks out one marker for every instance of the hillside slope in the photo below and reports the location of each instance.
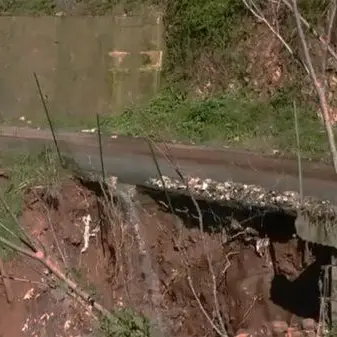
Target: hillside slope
(228, 80)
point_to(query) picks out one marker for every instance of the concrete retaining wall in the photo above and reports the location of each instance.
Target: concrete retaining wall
(85, 65)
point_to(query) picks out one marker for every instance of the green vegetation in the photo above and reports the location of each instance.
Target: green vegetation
(23, 172)
(206, 42)
(197, 27)
(207, 35)
(230, 119)
(26, 7)
(314, 10)
(125, 323)
(43, 7)
(210, 42)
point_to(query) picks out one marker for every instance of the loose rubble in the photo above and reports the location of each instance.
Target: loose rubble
(251, 197)
(281, 328)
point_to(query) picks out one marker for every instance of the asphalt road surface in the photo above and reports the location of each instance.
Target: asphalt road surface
(130, 160)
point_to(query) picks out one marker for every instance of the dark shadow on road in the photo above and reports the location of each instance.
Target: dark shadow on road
(217, 217)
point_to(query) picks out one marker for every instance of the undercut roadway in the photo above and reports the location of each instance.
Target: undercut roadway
(130, 160)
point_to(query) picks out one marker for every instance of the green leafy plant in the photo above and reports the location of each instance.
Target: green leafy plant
(125, 323)
(232, 118)
(197, 26)
(27, 7)
(25, 171)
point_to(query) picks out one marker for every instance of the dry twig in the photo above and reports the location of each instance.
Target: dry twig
(24, 237)
(7, 284)
(52, 229)
(308, 65)
(24, 280)
(299, 161)
(328, 37)
(249, 310)
(259, 15)
(312, 30)
(46, 111)
(41, 255)
(51, 266)
(221, 330)
(319, 86)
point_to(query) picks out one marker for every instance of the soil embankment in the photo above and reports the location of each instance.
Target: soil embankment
(263, 277)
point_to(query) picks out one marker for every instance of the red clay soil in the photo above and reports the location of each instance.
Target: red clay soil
(155, 265)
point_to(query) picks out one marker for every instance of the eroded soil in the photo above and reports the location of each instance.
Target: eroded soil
(254, 278)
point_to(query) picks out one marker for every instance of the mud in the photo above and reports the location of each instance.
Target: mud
(242, 272)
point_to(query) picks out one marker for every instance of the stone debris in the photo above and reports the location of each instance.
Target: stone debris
(308, 324)
(281, 328)
(251, 197)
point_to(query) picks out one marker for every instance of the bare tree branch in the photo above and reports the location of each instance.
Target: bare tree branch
(221, 329)
(6, 282)
(312, 30)
(318, 86)
(299, 161)
(259, 15)
(328, 37)
(50, 265)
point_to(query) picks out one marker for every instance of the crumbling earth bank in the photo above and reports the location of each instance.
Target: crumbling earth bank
(143, 257)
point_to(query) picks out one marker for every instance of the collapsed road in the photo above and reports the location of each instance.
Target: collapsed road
(259, 183)
(130, 160)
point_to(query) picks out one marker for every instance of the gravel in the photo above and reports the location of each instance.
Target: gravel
(250, 196)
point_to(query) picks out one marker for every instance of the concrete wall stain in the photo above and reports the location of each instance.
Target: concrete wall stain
(86, 65)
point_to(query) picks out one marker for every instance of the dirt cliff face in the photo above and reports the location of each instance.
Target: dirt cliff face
(246, 273)
(257, 277)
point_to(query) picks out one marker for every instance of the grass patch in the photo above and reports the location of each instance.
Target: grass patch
(196, 27)
(27, 7)
(44, 168)
(230, 119)
(125, 323)
(24, 171)
(50, 7)
(210, 32)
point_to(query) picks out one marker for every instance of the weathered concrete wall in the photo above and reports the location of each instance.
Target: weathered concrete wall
(85, 65)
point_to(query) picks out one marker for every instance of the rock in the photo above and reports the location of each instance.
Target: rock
(308, 324)
(294, 332)
(75, 239)
(58, 294)
(279, 326)
(266, 330)
(297, 334)
(309, 333)
(291, 329)
(242, 334)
